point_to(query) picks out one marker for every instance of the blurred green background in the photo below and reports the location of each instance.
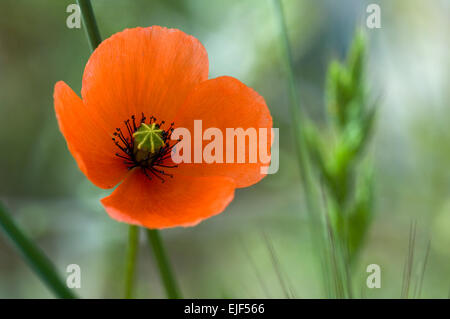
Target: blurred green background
(227, 256)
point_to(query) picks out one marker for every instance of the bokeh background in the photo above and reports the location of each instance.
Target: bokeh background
(228, 256)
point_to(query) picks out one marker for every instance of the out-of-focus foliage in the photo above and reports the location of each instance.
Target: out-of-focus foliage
(337, 152)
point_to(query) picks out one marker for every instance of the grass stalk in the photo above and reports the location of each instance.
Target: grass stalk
(298, 123)
(34, 256)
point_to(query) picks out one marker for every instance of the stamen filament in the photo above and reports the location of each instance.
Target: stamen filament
(147, 146)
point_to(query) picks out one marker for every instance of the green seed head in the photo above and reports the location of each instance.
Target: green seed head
(148, 138)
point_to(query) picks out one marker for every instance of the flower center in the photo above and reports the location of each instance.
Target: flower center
(145, 145)
(148, 138)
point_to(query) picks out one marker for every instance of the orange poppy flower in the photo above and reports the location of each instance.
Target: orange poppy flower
(154, 76)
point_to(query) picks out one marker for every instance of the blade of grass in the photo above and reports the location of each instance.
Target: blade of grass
(298, 123)
(424, 267)
(407, 274)
(276, 265)
(255, 269)
(133, 241)
(34, 256)
(90, 24)
(336, 274)
(167, 277)
(295, 105)
(340, 273)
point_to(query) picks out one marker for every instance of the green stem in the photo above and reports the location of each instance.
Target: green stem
(296, 110)
(35, 257)
(90, 24)
(94, 38)
(298, 123)
(133, 240)
(167, 277)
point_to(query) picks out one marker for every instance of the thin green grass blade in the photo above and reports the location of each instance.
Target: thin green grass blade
(34, 256)
(424, 267)
(409, 262)
(276, 266)
(298, 126)
(255, 269)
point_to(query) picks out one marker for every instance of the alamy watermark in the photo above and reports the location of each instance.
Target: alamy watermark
(73, 21)
(374, 279)
(232, 146)
(74, 278)
(373, 20)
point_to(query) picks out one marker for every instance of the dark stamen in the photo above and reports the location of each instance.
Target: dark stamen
(124, 140)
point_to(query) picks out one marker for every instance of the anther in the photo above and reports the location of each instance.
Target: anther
(145, 145)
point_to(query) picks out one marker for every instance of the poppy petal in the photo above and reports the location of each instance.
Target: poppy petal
(223, 103)
(179, 201)
(89, 144)
(148, 70)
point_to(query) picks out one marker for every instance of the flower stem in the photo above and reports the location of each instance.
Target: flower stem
(90, 24)
(154, 238)
(35, 257)
(133, 241)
